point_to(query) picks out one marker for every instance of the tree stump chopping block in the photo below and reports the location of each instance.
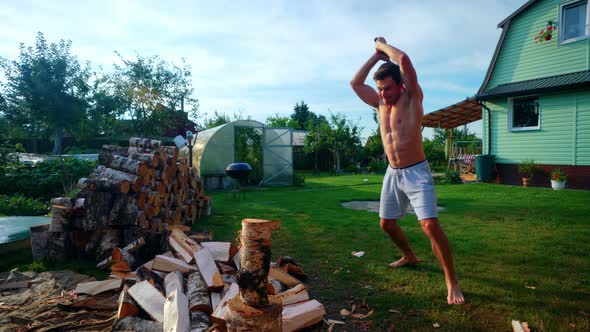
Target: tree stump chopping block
(255, 261)
(242, 317)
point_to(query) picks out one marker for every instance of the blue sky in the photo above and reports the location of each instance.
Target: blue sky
(259, 58)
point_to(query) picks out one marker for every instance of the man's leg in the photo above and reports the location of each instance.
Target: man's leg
(399, 238)
(442, 251)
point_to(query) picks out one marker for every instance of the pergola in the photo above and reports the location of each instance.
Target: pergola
(453, 116)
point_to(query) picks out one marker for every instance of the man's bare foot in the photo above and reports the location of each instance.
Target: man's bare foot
(405, 261)
(454, 295)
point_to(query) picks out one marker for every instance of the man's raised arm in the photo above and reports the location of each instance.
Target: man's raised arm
(365, 92)
(409, 77)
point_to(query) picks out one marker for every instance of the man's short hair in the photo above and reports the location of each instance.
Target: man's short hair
(388, 69)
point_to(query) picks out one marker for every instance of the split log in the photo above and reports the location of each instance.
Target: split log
(208, 269)
(236, 259)
(150, 159)
(174, 281)
(108, 152)
(150, 299)
(186, 255)
(15, 285)
(112, 185)
(176, 314)
(122, 260)
(116, 176)
(220, 314)
(301, 315)
(200, 321)
(215, 299)
(145, 143)
(202, 236)
(169, 264)
(97, 287)
(226, 268)
(275, 286)
(130, 248)
(85, 183)
(294, 295)
(137, 324)
(152, 277)
(198, 293)
(221, 251)
(255, 260)
(60, 216)
(127, 276)
(184, 241)
(283, 277)
(128, 165)
(171, 151)
(127, 306)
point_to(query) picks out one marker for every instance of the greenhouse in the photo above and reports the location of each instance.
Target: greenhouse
(214, 149)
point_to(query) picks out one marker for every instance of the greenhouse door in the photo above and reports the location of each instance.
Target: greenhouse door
(277, 156)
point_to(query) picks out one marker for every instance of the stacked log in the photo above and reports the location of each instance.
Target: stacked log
(143, 188)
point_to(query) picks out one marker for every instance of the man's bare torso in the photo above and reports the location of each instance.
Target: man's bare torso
(401, 131)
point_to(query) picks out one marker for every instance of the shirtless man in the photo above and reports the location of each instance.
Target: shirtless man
(408, 179)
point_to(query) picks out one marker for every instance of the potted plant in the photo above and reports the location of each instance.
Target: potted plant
(526, 169)
(558, 178)
(546, 33)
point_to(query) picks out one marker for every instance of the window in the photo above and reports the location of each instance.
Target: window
(524, 114)
(574, 22)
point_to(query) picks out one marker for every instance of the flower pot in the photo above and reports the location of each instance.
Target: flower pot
(557, 185)
(526, 182)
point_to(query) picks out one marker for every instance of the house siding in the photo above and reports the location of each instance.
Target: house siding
(520, 58)
(563, 139)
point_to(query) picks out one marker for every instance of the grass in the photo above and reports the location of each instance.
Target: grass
(519, 253)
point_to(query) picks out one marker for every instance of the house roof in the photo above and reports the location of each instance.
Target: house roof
(518, 11)
(505, 24)
(551, 83)
(453, 116)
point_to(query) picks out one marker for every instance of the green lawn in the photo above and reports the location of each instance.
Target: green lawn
(519, 253)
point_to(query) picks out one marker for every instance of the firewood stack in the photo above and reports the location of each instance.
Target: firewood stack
(133, 192)
(195, 286)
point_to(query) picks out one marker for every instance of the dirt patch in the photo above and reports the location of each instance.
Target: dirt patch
(373, 206)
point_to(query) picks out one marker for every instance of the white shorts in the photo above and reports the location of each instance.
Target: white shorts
(411, 185)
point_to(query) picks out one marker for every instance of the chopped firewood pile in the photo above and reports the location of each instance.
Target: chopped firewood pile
(198, 285)
(135, 191)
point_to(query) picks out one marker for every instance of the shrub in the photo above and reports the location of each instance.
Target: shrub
(44, 180)
(18, 205)
(298, 179)
(451, 177)
(526, 168)
(377, 166)
(351, 169)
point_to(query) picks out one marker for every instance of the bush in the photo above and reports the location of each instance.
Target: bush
(298, 179)
(451, 177)
(526, 168)
(21, 206)
(45, 179)
(377, 166)
(351, 169)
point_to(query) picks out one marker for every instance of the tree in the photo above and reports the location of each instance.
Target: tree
(280, 121)
(374, 145)
(302, 118)
(46, 91)
(217, 120)
(143, 83)
(339, 135)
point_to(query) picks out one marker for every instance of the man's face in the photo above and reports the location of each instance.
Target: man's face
(388, 90)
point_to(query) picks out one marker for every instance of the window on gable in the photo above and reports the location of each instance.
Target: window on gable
(524, 113)
(574, 21)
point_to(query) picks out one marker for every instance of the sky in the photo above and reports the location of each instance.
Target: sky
(259, 58)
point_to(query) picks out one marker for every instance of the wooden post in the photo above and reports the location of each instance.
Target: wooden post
(251, 310)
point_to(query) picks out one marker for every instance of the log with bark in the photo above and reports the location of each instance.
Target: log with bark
(108, 152)
(137, 324)
(144, 143)
(198, 293)
(128, 165)
(127, 306)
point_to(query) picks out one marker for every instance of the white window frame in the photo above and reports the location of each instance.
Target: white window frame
(511, 114)
(560, 21)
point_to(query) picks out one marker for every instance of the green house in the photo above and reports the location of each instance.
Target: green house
(536, 94)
